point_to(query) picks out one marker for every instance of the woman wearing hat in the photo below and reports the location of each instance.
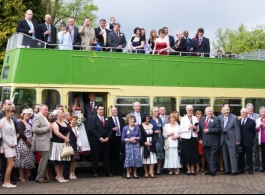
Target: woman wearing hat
(24, 160)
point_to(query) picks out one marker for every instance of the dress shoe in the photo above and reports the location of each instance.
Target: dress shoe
(95, 176)
(42, 181)
(109, 175)
(233, 174)
(114, 173)
(208, 173)
(30, 178)
(260, 170)
(213, 174)
(250, 173)
(241, 172)
(227, 173)
(13, 182)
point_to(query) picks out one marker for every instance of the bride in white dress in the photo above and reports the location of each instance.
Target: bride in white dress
(77, 110)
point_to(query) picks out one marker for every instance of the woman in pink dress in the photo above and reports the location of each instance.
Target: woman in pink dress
(161, 44)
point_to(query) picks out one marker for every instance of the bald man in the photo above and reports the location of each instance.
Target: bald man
(48, 32)
(28, 27)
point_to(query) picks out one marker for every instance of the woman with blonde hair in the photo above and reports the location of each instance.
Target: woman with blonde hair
(171, 135)
(9, 143)
(152, 40)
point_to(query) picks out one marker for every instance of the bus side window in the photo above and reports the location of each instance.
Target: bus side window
(51, 98)
(125, 105)
(257, 103)
(197, 103)
(167, 102)
(235, 105)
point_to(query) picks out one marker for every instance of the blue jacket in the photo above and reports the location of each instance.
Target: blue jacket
(189, 43)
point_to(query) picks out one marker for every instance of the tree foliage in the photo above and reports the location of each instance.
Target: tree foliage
(38, 7)
(78, 9)
(10, 13)
(241, 40)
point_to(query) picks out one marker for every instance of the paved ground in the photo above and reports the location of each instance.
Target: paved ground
(165, 184)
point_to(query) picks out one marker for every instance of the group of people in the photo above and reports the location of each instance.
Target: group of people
(142, 145)
(110, 38)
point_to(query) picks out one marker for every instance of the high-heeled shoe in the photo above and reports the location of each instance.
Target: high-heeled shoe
(146, 176)
(188, 173)
(135, 177)
(152, 176)
(128, 177)
(193, 173)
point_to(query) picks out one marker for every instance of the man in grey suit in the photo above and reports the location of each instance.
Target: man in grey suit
(255, 116)
(230, 139)
(116, 39)
(163, 116)
(42, 141)
(74, 32)
(209, 135)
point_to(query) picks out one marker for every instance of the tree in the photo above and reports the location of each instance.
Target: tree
(60, 10)
(38, 8)
(241, 40)
(10, 13)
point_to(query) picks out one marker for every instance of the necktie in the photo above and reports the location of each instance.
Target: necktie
(105, 37)
(243, 122)
(225, 122)
(72, 34)
(163, 119)
(49, 37)
(117, 34)
(102, 121)
(92, 107)
(138, 119)
(250, 116)
(117, 125)
(206, 123)
(31, 28)
(200, 41)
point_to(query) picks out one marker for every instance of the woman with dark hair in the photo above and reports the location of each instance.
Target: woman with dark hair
(137, 42)
(199, 116)
(148, 148)
(131, 135)
(161, 44)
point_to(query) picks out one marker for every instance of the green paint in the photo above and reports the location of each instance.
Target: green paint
(39, 66)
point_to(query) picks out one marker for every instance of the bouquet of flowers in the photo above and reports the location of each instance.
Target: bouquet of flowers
(80, 119)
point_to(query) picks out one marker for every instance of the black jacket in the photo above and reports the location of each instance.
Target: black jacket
(113, 133)
(44, 38)
(101, 38)
(248, 132)
(23, 27)
(204, 47)
(147, 149)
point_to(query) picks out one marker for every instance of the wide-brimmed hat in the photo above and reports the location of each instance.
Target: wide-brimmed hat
(27, 111)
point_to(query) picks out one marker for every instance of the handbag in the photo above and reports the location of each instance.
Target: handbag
(67, 151)
(239, 150)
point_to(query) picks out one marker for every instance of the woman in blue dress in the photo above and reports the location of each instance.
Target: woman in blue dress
(157, 123)
(131, 135)
(137, 42)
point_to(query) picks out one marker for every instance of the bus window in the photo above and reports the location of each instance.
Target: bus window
(125, 105)
(22, 98)
(167, 102)
(51, 98)
(257, 103)
(235, 105)
(197, 103)
(5, 93)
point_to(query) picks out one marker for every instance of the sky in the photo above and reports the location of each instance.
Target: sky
(182, 15)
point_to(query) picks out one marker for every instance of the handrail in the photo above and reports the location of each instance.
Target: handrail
(17, 40)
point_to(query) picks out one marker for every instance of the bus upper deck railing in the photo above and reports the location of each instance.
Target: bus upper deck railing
(20, 40)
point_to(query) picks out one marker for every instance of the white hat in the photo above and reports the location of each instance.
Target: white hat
(27, 111)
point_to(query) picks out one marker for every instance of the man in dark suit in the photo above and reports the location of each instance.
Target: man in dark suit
(30, 28)
(116, 39)
(248, 133)
(48, 32)
(170, 38)
(74, 31)
(202, 44)
(102, 34)
(116, 125)
(230, 139)
(209, 135)
(100, 145)
(90, 110)
(189, 41)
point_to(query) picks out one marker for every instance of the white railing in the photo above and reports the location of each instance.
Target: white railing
(20, 40)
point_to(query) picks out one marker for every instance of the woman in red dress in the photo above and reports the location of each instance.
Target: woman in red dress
(199, 115)
(161, 44)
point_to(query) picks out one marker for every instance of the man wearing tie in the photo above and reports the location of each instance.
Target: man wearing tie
(209, 135)
(170, 37)
(230, 139)
(48, 32)
(137, 113)
(255, 116)
(102, 34)
(74, 32)
(163, 116)
(101, 132)
(116, 125)
(248, 133)
(189, 41)
(202, 44)
(30, 28)
(87, 34)
(116, 39)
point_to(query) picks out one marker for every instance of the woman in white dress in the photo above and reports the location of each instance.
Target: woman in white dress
(64, 38)
(77, 110)
(148, 147)
(9, 142)
(171, 135)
